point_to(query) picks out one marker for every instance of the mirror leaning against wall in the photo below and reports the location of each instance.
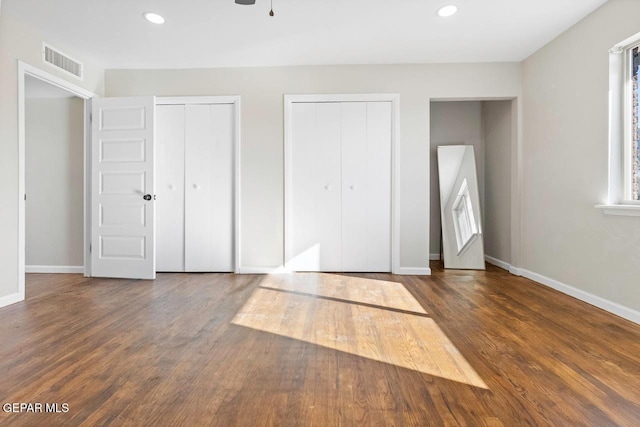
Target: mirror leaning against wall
(462, 238)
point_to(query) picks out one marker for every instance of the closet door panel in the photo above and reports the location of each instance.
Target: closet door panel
(199, 157)
(378, 188)
(305, 254)
(316, 171)
(209, 187)
(355, 207)
(328, 171)
(222, 170)
(170, 188)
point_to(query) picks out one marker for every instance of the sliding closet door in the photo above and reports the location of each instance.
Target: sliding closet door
(208, 204)
(170, 188)
(316, 192)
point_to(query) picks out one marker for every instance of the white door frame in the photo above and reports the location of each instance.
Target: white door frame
(235, 100)
(25, 70)
(394, 98)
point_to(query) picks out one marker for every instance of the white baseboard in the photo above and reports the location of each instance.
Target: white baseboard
(263, 270)
(10, 299)
(413, 271)
(498, 263)
(515, 271)
(610, 306)
(408, 271)
(434, 257)
(54, 269)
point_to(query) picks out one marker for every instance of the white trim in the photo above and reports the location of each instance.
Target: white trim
(413, 271)
(25, 70)
(620, 210)
(515, 271)
(235, 100)
(498, 263)
(237, 185)
(11, 299)
(55, 269)
(434, 257)
(343, 97)
(87, 187)
(473, 98)
(195, 100)
(263, 270)
(394, 98)
(610, 306)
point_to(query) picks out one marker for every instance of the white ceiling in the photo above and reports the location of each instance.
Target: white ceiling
(219, 33)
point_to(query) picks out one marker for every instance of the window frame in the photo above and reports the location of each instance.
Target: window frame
(618, 200)
(627, 190)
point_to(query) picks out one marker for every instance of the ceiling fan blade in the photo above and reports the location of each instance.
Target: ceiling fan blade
(245, 1)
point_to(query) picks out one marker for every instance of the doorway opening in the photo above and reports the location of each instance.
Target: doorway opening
(490, 126)
(52, 136)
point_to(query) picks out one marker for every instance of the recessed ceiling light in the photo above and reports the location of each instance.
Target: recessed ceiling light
(446, 11)
(153, 18)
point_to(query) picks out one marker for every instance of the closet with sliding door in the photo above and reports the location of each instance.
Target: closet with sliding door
(194, 178)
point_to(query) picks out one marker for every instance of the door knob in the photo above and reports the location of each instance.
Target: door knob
(327, 187)
(147, 197)
(353, 187)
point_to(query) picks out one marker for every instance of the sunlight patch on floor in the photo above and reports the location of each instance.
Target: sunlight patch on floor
(337, 313)
(348, 288)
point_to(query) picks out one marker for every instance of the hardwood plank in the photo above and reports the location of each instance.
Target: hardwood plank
(458, 348)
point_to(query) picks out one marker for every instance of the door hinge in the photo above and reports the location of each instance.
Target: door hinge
(25, 197)
(89, 247)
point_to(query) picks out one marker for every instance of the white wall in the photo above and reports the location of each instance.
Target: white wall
(54, 181)
(565, 156)
(20, 42)
(262, 91)
(453, 123)
(497, 136)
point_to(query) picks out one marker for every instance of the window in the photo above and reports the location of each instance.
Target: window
(624, 129)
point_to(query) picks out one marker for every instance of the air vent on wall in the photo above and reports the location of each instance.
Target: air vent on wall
(61, 61)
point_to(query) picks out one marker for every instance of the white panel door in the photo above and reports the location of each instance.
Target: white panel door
(170, 188)
(209, 187)
(316, 193)
(122, 232)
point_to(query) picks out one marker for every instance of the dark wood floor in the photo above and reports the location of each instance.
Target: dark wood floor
(454, 349)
